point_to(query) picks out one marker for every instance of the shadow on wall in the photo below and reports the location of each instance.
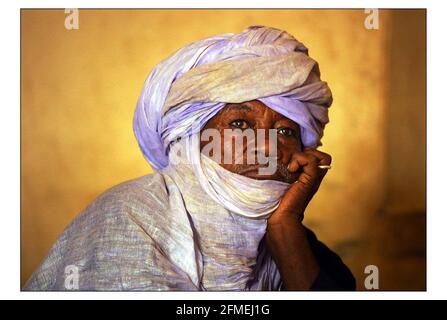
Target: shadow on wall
(401, 241)
(395, 240)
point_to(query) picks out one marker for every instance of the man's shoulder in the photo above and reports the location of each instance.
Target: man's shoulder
(334, 273)
(135, 201)
(145, 188)
(118, 219)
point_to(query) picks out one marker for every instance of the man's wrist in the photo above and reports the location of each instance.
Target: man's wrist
(285, 219)
(282, 229)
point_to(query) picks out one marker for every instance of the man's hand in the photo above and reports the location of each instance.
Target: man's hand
(298, 196)
(286, 237)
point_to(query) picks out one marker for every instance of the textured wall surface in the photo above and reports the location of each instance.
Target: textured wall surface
(80, 87)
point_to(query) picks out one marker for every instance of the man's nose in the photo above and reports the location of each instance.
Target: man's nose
(266, 144)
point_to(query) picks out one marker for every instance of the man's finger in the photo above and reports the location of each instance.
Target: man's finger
(325, 159)
(308, 163)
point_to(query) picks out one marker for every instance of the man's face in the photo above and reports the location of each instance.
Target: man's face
(256, 116)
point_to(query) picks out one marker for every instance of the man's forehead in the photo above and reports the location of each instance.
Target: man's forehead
(253, 108)
(243, 106)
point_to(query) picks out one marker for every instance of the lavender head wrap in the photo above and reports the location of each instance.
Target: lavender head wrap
(188, 88)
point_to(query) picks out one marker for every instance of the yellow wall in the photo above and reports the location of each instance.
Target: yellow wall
(80, 87)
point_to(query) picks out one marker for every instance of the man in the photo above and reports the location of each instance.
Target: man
(230, 124)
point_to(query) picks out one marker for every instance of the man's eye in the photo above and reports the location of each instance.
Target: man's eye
(286, 131)
(240, 124)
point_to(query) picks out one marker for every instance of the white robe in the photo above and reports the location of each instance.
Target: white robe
(159, 232)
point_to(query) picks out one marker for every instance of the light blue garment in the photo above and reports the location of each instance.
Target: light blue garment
(158, 232)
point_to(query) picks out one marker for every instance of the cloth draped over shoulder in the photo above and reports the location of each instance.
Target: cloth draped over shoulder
(192, 225)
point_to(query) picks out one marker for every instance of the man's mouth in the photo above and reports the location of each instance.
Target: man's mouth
(281, 173)
(250, 169)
